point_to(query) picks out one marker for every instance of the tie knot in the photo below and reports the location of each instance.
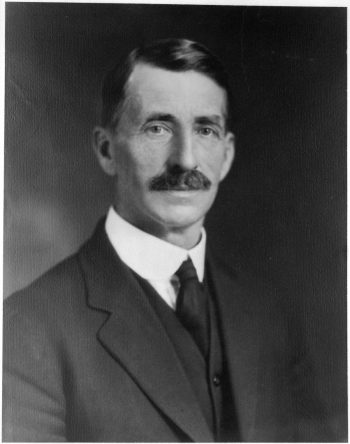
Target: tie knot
(186, 271)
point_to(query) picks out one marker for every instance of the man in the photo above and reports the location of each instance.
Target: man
(142, 335)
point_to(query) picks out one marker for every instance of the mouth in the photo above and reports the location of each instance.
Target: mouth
(181, 195)
(179, 188)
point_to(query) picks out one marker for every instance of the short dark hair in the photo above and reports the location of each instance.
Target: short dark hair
(172, 54)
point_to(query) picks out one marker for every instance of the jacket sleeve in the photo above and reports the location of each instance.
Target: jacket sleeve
(33, 395)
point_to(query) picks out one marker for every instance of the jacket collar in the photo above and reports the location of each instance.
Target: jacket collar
(134, 336)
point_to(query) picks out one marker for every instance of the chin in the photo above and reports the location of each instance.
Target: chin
(176, 211)
(179, 217)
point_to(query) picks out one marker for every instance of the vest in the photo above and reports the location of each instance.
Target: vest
(208, 379)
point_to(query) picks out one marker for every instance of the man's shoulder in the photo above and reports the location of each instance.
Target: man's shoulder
(55, 288)
(241, 279)
(58, 286)
(256, 294)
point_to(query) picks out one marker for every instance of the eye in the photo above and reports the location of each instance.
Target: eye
(157, 130)
(207, 131)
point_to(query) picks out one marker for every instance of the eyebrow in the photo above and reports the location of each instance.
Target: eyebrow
(210, 120)
(161, 116)
(202, 120)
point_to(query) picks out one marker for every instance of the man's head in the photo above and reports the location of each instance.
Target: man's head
(164, 134)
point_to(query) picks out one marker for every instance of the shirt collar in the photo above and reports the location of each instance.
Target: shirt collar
(150, 257)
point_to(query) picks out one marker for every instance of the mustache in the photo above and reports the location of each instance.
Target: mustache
(179, 180)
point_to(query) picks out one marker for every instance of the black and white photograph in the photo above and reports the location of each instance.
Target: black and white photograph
(174, 245)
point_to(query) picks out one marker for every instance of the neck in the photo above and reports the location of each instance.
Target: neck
(185, 238)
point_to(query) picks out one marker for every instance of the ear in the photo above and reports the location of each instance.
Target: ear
(104, 149)
(229, 155)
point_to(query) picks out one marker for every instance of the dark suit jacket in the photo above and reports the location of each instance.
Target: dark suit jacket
(87, 359)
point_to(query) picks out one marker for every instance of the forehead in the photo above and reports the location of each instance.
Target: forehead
(152, 89)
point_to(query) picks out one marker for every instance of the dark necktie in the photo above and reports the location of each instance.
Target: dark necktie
(192, 306)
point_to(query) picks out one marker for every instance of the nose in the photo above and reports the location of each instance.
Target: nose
(183, 154)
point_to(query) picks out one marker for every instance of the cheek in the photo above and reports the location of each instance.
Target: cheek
(212, 162)
(138, 161)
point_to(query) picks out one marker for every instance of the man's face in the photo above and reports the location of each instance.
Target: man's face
(170, 148)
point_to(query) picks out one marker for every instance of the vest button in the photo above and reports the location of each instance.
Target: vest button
(216, 380)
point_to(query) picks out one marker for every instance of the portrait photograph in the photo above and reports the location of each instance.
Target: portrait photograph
(175, 209)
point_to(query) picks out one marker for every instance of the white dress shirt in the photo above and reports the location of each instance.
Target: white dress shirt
(152, 258)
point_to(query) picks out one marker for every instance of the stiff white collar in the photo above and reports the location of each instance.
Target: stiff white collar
(150, 257)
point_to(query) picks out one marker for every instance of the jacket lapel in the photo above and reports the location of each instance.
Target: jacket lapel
(135, 337)
(240, 329)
